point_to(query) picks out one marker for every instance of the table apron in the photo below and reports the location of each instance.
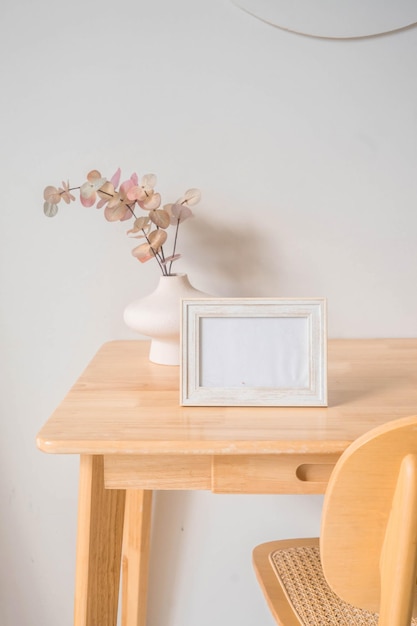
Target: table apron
(240, 474)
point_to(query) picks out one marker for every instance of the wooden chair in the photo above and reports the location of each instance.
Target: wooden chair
(362, 570)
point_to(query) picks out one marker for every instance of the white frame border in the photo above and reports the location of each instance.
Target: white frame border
(193, 394)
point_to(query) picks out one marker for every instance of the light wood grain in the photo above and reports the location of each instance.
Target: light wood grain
(124, 404)
(369, 490)
(99, 543)
(124, 418)
(272, 473)
(368, 536)
(398, 561)
(136, 545)
(157, 472)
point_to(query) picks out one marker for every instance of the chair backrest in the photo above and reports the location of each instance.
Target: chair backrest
(368, 540)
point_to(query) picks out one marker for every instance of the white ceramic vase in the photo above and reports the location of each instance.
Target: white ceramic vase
(158, 316)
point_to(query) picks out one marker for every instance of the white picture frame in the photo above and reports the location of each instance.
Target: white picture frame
(253, 352)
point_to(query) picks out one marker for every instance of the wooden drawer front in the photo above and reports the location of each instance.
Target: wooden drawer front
(157, 472)
(284, 473)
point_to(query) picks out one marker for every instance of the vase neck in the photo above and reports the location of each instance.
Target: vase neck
(174, 281)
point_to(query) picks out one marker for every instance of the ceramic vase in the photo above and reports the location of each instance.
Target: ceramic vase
(158, 316)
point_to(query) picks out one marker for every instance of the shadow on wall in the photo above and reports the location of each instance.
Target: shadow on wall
(237, 257)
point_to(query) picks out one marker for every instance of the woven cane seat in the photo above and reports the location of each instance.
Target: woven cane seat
(363, 569)
(301, 576)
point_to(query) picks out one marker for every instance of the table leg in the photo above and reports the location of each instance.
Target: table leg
(135, 561)
(99, 544)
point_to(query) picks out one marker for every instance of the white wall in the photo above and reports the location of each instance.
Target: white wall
(305, 151)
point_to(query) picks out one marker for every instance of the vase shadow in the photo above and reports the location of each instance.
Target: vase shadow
(236, 257)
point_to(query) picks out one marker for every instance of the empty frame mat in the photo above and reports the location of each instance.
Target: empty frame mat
(248, 351)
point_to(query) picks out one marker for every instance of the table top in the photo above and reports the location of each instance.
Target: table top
(124, 404)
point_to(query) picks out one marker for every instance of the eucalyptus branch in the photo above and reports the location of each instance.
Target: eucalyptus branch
(119, 204)
(175, 242)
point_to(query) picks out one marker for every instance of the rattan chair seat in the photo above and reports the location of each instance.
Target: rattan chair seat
(301, 576)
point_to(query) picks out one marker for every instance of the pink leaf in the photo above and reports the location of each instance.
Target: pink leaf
(160, 218)
(89, 201)
(140, 224)
(157, 238)
(179, 213)
(106, 193)
(171, 259)
(125, 186)
(150, 203)
(143, 252)
(51, 194)
(136, 193)
(65, 192)
(115, 179)
(128, 214)
(93, 176)
(115, 213)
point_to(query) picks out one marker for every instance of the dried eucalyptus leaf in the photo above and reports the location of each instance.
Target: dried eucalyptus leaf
(153, 201)
(140, 223)
(191, 196)
(93, 175)
(115, 213)
(157, 238)
(180, 212)
(50, 209)
(106, 191)
(160, 218)
(51, 194)
(148, 181)
(143, 252)
(170, 259)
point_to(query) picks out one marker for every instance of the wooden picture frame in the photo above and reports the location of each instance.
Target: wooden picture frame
(253, 352)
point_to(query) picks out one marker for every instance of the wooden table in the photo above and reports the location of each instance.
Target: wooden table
(124, 420)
